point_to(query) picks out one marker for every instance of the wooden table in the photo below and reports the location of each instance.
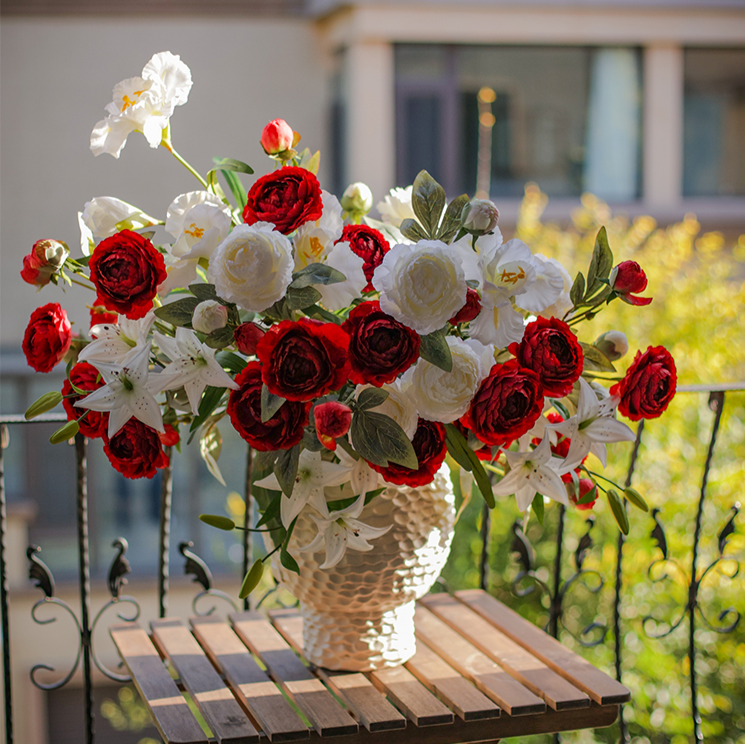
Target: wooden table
(481, 673)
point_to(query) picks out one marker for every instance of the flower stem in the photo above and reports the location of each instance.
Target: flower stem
(166, 142)
(82, 284)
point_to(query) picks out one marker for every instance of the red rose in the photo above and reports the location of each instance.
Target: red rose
(585, 486)
(552, 351)
(47, 257)
(370, 245)
(277, 137)
(170, 437)
(287, 198)
(101, 316)
(648, 386)
(470, 310)
(246, 336)
(507, 404)
(86, 377)
(626, 280)
(303, 359)
(430, 448)
(127, 269)
(135, 450)
(379, 346)
(281, 431)
(48, 337)
(333, 420)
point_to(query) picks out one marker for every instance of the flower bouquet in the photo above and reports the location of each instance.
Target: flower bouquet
(375, 367)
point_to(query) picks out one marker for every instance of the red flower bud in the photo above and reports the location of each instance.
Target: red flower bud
(585, 486)
(470, 310)
(246, 336)
(101, 316)
(46, 258)
(277, 137)
(332, 420)
(170, 437)
(626, 280)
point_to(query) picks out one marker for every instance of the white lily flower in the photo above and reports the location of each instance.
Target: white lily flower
(362, 477)
(530, 473)
(193, 366)
(591, 428)
(547, 288)
(314, 241)
(313, 473)
(126, 394)
(563, 302)
(116, 344)
(499, 324)
(342, 529)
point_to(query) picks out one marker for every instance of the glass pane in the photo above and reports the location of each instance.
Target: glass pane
(422, 137)
(714, 122)
(420, 62)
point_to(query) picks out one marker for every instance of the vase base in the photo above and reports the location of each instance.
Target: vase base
(359, 642)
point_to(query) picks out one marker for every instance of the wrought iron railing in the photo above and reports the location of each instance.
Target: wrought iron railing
(127, 608)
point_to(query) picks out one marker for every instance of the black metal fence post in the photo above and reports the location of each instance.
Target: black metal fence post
(164, 542)
(247, 522)
(7, 688)
(484, 567)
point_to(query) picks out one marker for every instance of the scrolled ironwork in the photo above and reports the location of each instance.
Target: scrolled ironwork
(39, 572)
(199, 570)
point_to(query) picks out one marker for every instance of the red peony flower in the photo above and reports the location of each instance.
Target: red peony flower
(370, 245)
(287, 198)
(303, 359)
(135, 450)
(281, 431)
(430, 448)
(171, 437)
(507, 404)
(246, 336)
(127, 269)
(628, 279)
(101, 316)
(470, 310)
(585, 486)
(86, 377)
(47, 338)
(380, 347)
(552, 351)
(333, 420)
(277, 137)
(648, 386)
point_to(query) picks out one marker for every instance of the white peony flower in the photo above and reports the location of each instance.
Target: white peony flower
(399, 405)
(396, 207)
(101, 216)
(143, 104)
(445, 396)
(209, 316)
(421, 285)
(252, 267)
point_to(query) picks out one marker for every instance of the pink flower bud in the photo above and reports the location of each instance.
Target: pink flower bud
(277, 137)
(626, 280)
(332, 420)
(246, 336)
(479, 217)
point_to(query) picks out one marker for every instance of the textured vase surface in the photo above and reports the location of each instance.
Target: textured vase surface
(359, 615)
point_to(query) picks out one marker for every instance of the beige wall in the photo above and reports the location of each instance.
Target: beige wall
(56, 77)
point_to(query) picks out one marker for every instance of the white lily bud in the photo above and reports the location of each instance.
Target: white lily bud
(209, 316)
(480, 217)
(613, 344)
(357, 198)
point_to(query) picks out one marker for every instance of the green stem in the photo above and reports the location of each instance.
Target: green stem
(82, 284)
(166, 142)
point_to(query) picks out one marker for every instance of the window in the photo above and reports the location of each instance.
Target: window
(568, 118)
(714, 122)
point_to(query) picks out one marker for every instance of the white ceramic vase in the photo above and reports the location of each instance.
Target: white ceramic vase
(359, 615)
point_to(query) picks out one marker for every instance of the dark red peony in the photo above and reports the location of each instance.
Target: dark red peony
(332, 420)
(628, 279)
(552, 351)
(246, 336)
(648, 386)
(507, 404)
(370, 245)
(470, 310)
(380, 347)
(127, 269)
(86, 377)
(47, 338)
(287, 198)
(281, 431)
(430, 448)
(303, 359)
(135, 450)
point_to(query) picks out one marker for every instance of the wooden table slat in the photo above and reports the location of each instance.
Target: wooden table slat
(306, 691)
(370, 708)
(449, 686)
(215, 701)
(488, 676)
(513, 658)
(168, 708)
(250, 684)
(603, 689)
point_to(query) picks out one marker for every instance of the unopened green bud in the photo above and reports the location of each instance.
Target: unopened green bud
(216, 520)
(45, 403)
(634, 497)
(619, 510)
(252, 579)
(67, 432)
(357, 199)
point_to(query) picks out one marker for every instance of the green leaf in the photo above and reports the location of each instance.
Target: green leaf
(577, 292)
(299, 299)
(285, 468)
(270, 404)
(595, 359)
(635, 498)
(428, 201)
(272, 510)
(203, 291)
(589, 497)
(210, 400)
(65, 433)
(264, 461)
(451, 220)
(412, 230)
(460, 451)
(538, 508)
(379, 439)
(210, 446)
(218, 521)
(231, 361)
(220, 338)
(46, 403)
(288, 561)
(435, 350)
(371, 398)
(318, 312)
(230, 164)
(601, 263)
(236, 188)
(316, 274)
(178, 313)
(619, 510)
(252, 579)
